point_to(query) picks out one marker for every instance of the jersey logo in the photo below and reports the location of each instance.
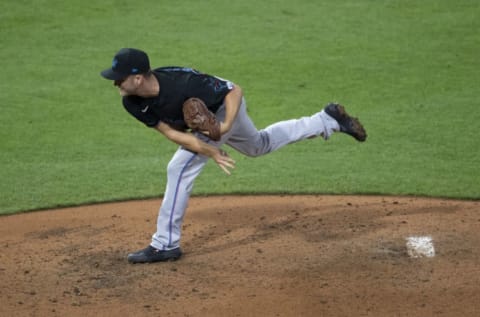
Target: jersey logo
(145, 109)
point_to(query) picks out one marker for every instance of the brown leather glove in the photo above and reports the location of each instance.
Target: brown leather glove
(199, 118)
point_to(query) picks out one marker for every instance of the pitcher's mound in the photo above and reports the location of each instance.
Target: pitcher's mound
(246, 256)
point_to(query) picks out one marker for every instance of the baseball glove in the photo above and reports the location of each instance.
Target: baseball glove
(199, 118)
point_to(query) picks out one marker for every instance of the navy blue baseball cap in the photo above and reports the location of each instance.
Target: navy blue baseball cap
(128, 61)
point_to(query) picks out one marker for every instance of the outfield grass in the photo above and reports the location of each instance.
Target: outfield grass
(408, 69)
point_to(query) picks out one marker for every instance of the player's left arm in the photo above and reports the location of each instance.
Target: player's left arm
(233, 100)
(194, 144)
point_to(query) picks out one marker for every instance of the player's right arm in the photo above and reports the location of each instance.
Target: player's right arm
(194, 144)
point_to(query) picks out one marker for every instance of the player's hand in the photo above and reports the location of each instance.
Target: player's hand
(224, 161)
(224, 128)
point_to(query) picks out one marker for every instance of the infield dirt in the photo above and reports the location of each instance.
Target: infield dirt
(246, 256)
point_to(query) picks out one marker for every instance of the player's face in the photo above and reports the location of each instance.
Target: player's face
(127, 86)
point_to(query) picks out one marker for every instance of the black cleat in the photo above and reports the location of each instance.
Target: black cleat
(348, 125)
(151, 254)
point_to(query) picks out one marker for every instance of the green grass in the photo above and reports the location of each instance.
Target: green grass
(408, 69)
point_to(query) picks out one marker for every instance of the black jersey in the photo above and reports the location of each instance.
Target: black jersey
(177, 84)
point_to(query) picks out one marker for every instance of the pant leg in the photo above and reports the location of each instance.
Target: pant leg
(246, 139)
(185, 166)
(182, 170)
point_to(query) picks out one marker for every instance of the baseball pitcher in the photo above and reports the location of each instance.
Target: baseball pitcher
(200, 113)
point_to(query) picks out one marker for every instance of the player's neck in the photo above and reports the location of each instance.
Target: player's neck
(149, 88)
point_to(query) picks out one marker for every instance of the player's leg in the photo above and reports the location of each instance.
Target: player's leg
(182, 170)
(245, 137)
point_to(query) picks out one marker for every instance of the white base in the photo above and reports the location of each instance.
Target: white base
(418, 247)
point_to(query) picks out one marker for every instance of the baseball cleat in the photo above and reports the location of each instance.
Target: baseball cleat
(348, 125)
(151, 254)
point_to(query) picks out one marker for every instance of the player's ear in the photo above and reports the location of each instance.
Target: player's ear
(138, 80)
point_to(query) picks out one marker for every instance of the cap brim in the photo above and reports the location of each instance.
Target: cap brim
(110, 74)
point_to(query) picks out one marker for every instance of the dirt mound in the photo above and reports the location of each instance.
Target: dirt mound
(246, 256)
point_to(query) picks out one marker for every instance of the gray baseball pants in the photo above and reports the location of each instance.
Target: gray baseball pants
(244, 137)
